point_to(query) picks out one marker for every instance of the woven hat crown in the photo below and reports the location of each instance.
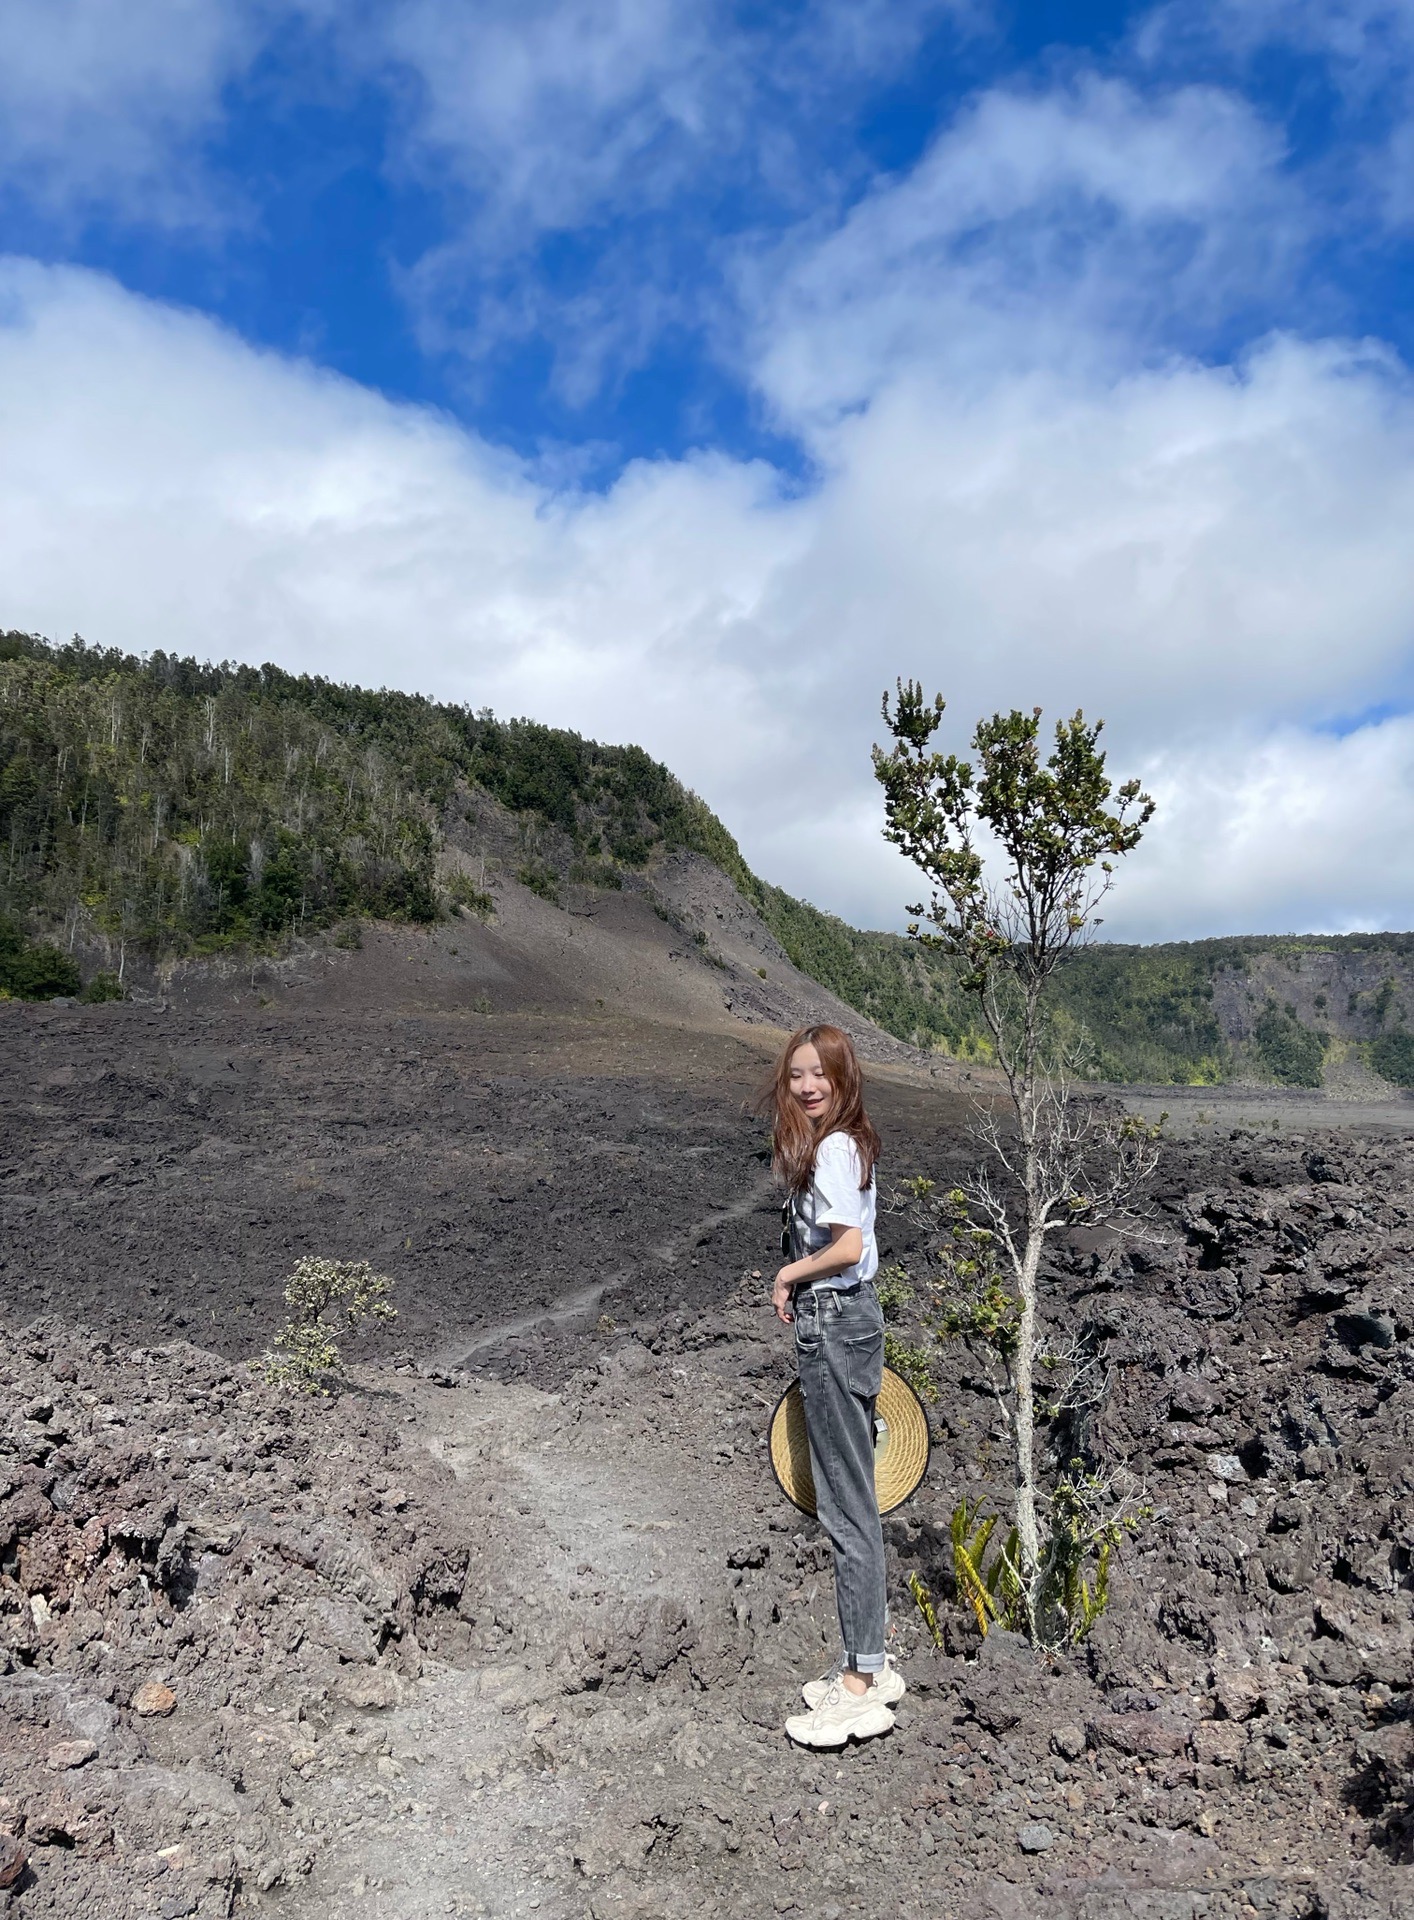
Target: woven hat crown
(901, 1445)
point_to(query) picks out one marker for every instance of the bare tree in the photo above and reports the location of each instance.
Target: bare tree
(1020, 853)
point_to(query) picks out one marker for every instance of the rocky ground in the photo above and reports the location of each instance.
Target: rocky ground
(509, 1626)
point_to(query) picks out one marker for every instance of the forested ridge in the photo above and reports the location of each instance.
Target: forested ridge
(170, 807)
(182, 808)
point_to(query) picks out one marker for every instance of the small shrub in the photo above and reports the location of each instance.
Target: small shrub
(462, 893)
(1086, 1528)
(913, 1363)
(103, 986)
(894, 1291)
(761, 973)
(597, 873)
(631, 848)
(540, 879)
(29, 972)
(349, 936)
(307, 1356)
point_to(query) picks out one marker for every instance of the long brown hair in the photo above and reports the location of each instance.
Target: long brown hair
(795, 1138)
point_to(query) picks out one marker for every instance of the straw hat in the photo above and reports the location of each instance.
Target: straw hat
(901, 1444)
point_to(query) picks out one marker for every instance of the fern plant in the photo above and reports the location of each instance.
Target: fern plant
(923, 1600)
(1087, 1519)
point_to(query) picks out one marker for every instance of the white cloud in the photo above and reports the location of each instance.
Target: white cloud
(1215, 560)
(1361, 50)
(1351, 32)
(103, 105)
(1287, 833)
(614, 120)
(1038, 228)
(165, 485)
(544, 107)
(557, 112)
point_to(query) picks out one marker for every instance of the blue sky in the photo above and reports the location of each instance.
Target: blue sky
(665, 369)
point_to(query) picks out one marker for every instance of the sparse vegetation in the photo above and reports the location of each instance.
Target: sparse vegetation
(597, 873)
(463, 892)
(541, 879)
(1087, 1526)
(307, 1356)
(923, 1600)
(912, 1361)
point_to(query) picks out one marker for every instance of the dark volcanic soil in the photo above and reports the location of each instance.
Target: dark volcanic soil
(511, 1625)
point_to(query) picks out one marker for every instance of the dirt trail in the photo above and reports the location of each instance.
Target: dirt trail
(495, 1784)
(576, 1309)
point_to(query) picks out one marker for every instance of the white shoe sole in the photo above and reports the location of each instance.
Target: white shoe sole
(889, 1687)
(805, 1733)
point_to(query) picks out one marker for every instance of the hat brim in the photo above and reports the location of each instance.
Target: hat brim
(902, 1445)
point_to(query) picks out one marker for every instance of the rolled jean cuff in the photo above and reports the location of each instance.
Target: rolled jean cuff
(866, 1662)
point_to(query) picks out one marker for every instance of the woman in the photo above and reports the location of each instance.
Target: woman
(825, 1150)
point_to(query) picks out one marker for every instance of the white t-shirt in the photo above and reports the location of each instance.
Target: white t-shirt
(834, 1198)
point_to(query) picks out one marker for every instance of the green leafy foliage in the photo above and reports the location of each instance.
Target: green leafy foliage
(975, 1300)
(913, 1362)
(894, 1291)
(993, 1591)
(1392, 1055)
(462, 891)
(597, 873)
(306, 1355)
(1020, 852)
(1146, 1013)
(103, 986)
(33, 971)
(541, 879)
(1085, 1530)
(1289, 1051)
(1057, 824)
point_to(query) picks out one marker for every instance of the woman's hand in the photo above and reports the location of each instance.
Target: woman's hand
(782, 1293)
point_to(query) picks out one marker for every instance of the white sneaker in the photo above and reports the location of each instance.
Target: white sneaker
(841, 1716)
(888, 1685)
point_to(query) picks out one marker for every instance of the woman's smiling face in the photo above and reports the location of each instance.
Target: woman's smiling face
(808, 1083)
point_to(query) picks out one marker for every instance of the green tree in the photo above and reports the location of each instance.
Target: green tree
(1290, 1052)
(1020, 852)
(1393, 1056)
(33, 972)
